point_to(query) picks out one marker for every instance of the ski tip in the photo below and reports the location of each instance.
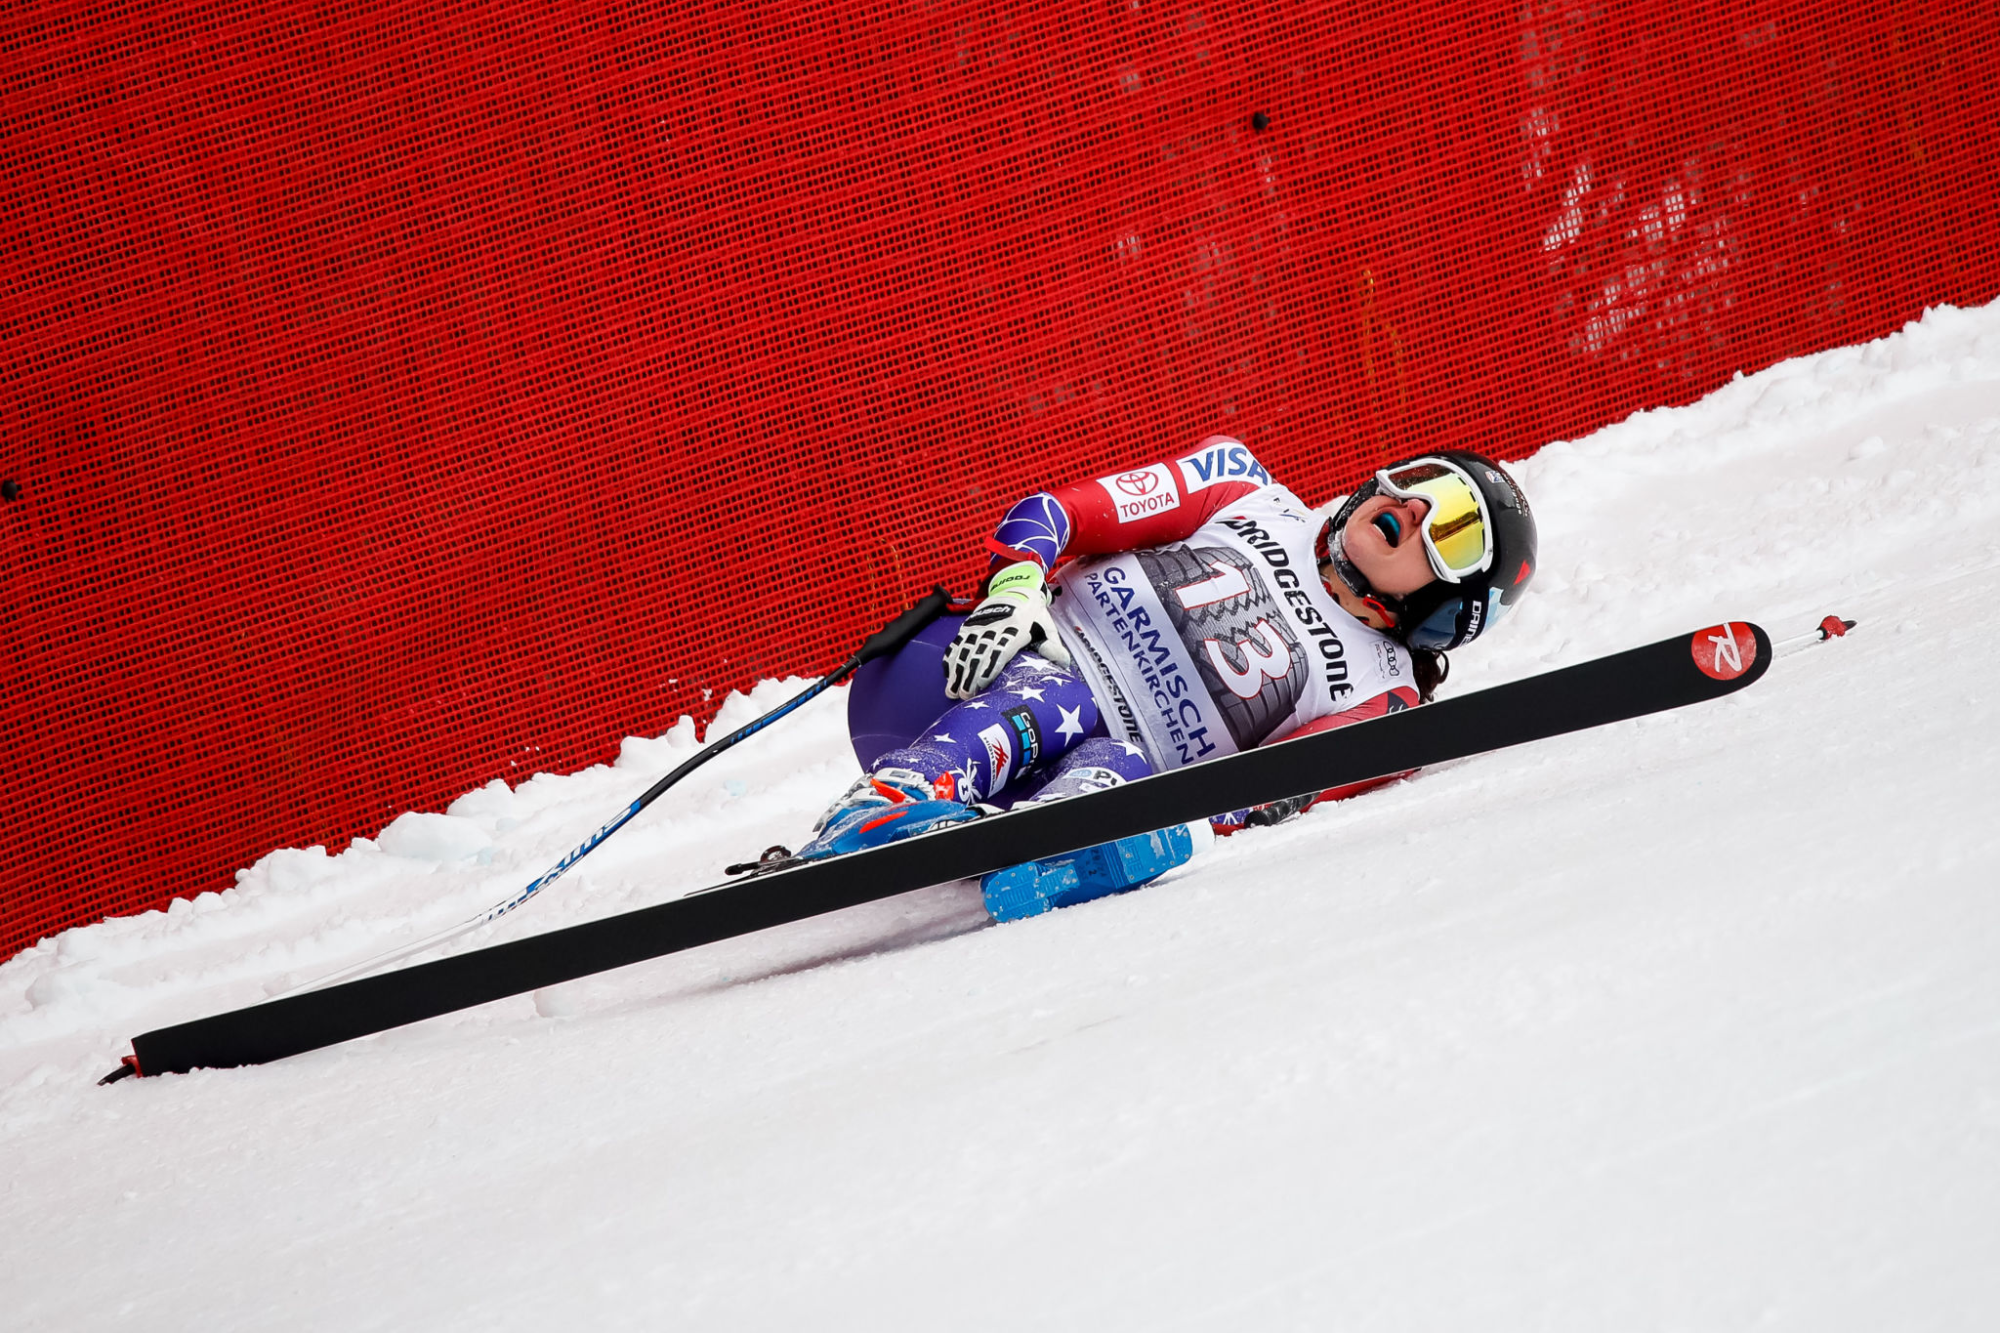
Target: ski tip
(1734, 653)
(127, 1067)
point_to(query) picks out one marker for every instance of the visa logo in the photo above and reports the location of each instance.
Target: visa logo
(1222, 461)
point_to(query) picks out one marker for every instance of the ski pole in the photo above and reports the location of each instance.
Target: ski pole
(1831, 627)
(885, 640)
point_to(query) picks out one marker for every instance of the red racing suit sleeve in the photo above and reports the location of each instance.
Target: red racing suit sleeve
(1128, 510)
(1390, 701)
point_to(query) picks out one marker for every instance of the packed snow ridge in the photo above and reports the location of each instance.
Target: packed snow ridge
(1691, 1021)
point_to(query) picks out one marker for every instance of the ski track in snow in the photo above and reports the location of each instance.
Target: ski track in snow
(1691, 1021)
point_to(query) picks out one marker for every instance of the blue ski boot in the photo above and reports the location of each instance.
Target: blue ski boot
(883, 807)
(1063, 881)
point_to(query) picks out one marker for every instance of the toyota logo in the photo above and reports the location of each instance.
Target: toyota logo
(1139, 483)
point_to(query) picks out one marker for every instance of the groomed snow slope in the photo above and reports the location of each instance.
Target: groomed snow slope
(1692, 1022)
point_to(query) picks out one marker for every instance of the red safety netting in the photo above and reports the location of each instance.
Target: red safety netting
(398, 398)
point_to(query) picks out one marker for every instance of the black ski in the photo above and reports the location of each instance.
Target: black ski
(1670, 674)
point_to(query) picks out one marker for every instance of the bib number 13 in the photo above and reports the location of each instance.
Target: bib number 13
(1268, 658)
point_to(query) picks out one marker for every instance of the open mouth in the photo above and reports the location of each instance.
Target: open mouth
(1389, 526)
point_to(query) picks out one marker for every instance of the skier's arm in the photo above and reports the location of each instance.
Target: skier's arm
(1125, 511)
(1390, 701)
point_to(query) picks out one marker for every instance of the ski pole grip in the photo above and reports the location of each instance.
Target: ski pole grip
(904, 627)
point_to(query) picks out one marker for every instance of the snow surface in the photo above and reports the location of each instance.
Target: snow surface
(1687, 1023)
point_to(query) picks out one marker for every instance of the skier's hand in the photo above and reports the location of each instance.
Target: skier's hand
(1015, 615)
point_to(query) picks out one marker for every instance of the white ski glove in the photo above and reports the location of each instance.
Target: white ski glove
(1015, 615)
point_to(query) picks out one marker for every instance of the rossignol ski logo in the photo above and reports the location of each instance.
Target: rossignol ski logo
(1724, 652)
(1142, 492)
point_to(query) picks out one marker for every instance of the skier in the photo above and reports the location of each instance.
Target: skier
(1166, 615)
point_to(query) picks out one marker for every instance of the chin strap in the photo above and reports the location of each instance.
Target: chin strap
(1380, 616)
(1383, 613)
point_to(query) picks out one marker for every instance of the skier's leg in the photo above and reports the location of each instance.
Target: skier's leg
(982, 748)
(894, 699)
(974, 749)
(1091, 765)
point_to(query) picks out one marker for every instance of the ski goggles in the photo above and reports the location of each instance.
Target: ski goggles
(1458, 539)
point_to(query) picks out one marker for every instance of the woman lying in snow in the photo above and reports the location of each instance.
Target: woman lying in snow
(1167, 615)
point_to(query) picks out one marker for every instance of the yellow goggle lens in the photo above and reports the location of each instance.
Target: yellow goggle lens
(1456, 524)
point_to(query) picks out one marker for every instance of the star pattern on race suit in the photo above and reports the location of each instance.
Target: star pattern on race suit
(1071, 723)
(1133, 750)
(942, 736)
(1041, 664)
(1030, 692)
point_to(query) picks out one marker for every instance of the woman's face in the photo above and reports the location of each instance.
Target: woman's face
(1384, 541)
